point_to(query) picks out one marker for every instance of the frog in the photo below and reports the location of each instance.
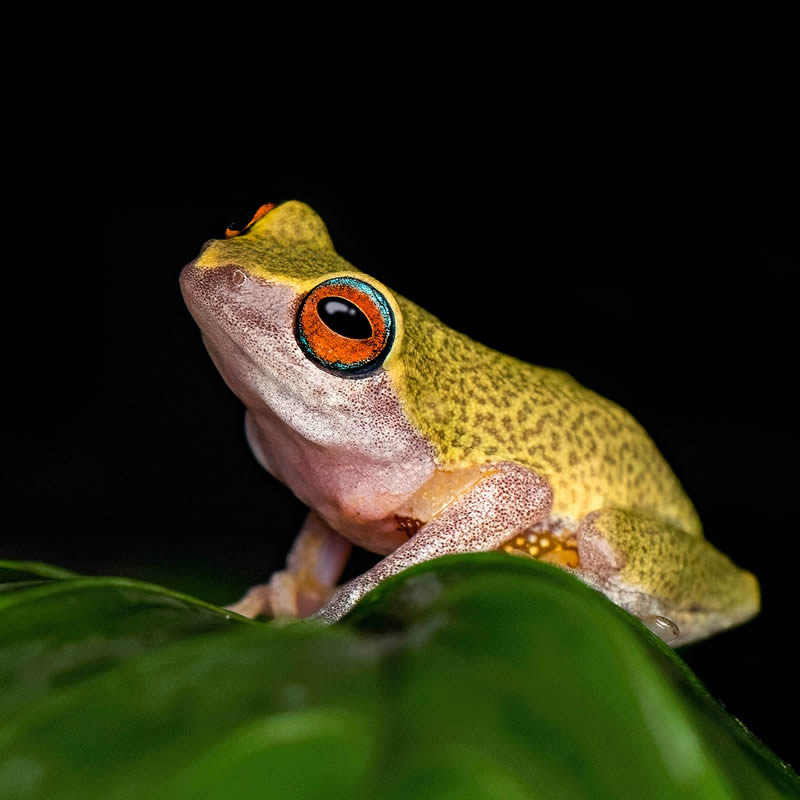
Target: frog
(414, 441)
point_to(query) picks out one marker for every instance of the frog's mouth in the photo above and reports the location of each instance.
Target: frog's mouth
(230, 306)
(234, 364)
(247, 327)
(235, 321)
(207, 294)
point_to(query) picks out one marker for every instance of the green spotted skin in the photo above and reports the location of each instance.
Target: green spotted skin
(480, 406)
(477, 406)
(651, 568)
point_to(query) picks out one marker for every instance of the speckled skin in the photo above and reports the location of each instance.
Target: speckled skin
(625, 554)
(448, 433)
(479, 406)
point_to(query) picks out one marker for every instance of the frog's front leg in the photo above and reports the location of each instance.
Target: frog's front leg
(654, 570)
(313, 566)
(508, 499)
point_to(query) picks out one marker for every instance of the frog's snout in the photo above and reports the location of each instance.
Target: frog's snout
(209, 286)
(197, 287)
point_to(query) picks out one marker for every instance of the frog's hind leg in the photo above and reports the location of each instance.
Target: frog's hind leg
(314, 564)
(657, 571)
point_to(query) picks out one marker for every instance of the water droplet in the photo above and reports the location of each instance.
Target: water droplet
(664, 628)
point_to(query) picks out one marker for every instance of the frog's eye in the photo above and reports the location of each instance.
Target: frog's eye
(346, 325)
(242, 223)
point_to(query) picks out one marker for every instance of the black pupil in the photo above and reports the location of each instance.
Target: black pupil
(344, 318)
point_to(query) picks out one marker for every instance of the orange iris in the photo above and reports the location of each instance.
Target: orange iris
(334, 350)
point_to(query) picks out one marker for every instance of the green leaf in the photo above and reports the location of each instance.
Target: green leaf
(12, 571)
(478, 676)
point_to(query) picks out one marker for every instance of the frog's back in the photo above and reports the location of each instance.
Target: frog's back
(479, 406)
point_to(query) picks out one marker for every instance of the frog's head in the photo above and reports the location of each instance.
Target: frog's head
(294, 329)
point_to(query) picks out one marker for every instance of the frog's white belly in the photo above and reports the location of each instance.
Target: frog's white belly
(358, 496)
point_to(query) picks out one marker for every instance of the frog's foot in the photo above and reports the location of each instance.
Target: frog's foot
(282, 596)
(680, 586)
(256, 601)
(315, 562)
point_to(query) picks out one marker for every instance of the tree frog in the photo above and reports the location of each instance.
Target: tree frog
(410, 439)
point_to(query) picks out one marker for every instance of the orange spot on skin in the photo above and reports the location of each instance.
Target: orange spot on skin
(409, 525)
(549, 548)
(565, 558)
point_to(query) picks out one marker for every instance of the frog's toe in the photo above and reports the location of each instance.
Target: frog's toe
(255, 603)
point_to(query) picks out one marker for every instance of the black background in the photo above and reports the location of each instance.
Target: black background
(660, 276)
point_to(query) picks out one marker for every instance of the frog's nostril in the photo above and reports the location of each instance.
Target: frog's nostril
(238, 277)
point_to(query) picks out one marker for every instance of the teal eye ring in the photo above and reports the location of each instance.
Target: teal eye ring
(345, 325)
